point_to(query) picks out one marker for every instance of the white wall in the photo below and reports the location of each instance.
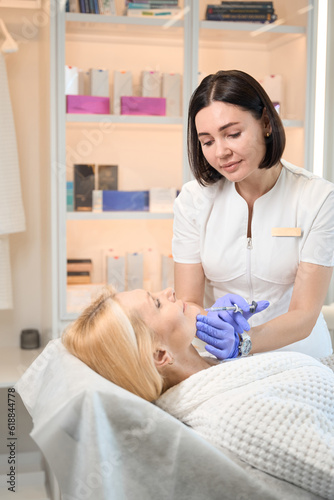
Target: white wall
(28, 76)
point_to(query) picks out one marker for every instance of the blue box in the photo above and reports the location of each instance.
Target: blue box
(128, 201)
(69, 196)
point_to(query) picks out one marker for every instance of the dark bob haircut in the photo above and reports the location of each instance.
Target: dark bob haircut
(240, 89)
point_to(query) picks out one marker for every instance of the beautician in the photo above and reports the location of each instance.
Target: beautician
(252, 224)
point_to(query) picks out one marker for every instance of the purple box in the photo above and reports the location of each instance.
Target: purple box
(125, 200)
(87, 104)
(131, 105)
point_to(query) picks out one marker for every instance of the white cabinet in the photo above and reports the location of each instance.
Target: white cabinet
(151, 151)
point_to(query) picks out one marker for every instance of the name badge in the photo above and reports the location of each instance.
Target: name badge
(286, 231)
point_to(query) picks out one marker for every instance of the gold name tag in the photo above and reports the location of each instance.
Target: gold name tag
(286, 231)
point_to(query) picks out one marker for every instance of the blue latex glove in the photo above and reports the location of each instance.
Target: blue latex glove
(221, 338)
(237, 320)
(213, 330)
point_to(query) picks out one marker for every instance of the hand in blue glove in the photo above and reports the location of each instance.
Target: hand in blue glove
(213, 328)
(237, 320)
(221, 339)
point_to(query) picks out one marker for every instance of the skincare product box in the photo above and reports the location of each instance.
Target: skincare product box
(107, 177)
(87, 104)
(97, 200)
(116, 272)
(84, 82)
(99, 82)
(79, 296)
(78, 277)
(125, 201)
(79, 265)
(153, 106)
(162, 199)
(171, 90)
(273, 85)
(167, 271)
(134, 271)
(122, 87)
(79, 271)
(69, 196)
(151, 83)
(84, 183)
(71, 80)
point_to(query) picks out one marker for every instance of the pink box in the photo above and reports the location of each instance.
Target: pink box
(87, 104)
(131, 105)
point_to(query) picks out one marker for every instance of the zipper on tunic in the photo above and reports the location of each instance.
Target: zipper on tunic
(249, 267)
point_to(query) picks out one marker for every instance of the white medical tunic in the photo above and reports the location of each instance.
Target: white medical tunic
(210, 227)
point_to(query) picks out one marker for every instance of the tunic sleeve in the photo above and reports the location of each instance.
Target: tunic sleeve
(186, 230)
(319, 244)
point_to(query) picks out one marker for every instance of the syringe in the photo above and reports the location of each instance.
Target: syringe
(235, 308)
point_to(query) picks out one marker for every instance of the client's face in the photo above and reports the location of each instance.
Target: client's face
(173, 320)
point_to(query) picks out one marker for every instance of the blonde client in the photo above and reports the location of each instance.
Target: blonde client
(274, 410)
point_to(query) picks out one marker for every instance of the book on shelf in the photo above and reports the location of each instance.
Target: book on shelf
(249, 5)
(218, 13)
(151, 4)
(105, 7)
(166, 13)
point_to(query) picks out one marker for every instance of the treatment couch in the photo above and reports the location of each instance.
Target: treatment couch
(104, 443)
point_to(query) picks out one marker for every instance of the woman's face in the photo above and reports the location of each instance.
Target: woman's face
(232, 139)
(174, 321)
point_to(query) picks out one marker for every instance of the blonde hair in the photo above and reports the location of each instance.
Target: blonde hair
(117, 345)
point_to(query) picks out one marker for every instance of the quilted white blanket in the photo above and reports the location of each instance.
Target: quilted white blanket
(274, 410)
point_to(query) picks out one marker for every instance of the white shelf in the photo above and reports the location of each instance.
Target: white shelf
(255, 28)
(122, 119)
(117, 215)
(138, 21)
(13, 363)
(252, 34)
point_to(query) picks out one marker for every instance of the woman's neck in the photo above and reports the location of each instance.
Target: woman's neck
(258, 184)
(185, 365)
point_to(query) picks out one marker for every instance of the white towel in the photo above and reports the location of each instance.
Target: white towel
(12, 219)
(6, 296)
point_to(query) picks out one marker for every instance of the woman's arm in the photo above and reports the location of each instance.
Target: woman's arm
(307, 299)
(189, 282)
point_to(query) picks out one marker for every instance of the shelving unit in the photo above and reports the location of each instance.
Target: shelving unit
(205, 46)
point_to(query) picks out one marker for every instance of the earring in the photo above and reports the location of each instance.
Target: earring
(268, 134)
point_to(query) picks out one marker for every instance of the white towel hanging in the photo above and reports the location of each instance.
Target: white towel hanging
(9, 45)
(12, 218)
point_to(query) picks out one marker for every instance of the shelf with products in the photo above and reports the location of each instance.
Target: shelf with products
(142, 146)
(282, 48)
(151, 150)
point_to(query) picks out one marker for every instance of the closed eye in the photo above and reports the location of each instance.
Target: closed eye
(157, 303)
(234, 136)
(208, 143)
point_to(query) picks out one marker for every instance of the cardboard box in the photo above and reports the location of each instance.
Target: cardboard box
(152, 106)
(99, 82)
(125, 201)
(87, 104)
(71, 80)
(151, 84)
(84, 181)
(122, 86)
(134, 271)
(107, 177)
(171, 90)
(116, 272)
(162, 199)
